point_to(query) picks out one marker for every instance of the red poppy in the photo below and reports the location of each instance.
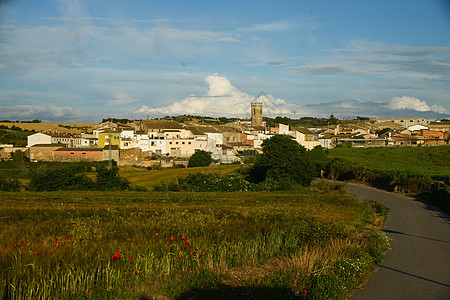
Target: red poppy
(171, 238)
(14, 245)
(187, 246)
(35, 252)
(59, 244)
(179, 256)
(68, 237)
(157, 234)
(129, 240)
(305, 292)
(168, 243)
(56, 245)
(187, 241)
(135, 271)
(203, 254)
(114, 257)
(192, 252)
(130, 260)
(183, 237)
(118, 254)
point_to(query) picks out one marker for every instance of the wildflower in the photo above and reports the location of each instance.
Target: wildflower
(187, 246)
(203, 254)
(114, 257)
(179, 256)
(14, 245)
(135, 271)
(168, 243)
(157, 234)
(129, 240)
(130, 260)
(171, 238)
(118, 254)
(187, 241)
(35, 252)
(68, 237)
(56, 245)
(59, 243)
(183, 237)
(305, 291)
(192, 252)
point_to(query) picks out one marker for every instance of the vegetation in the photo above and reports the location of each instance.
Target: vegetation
(315, 244)
(200, 159)
(73, 177)
(14, 135)
(283, 162)
(420, 171)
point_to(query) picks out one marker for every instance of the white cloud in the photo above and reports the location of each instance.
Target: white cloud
(223, 99)
(412, 103)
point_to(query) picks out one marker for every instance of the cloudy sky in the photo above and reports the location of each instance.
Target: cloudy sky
(84, 60)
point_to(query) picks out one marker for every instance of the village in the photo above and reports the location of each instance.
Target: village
(166, 143)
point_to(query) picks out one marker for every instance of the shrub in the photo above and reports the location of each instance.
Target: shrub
(9, 185)
(200, 159)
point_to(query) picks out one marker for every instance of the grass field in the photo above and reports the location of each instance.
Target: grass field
(149, 178)
(75, 128)
(429, 161)
(314, 244)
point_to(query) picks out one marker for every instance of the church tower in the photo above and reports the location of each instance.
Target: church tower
(257, 114)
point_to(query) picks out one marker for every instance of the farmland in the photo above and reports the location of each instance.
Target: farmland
(316, 243)
(73, 128)
(428, 161)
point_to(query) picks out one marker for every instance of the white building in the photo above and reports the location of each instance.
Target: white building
(39, 139)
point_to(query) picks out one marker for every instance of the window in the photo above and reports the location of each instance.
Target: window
(176, 143)
(72, 153)
(116, 137)
(189, 143)
(106, 136)
(182, 143)
(170, 143)
(83, 152)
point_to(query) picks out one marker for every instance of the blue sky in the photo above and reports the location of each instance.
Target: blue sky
(79, 61)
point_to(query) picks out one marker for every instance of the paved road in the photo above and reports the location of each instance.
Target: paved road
(418, 264)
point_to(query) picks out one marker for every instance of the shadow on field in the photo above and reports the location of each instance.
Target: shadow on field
(228, 292)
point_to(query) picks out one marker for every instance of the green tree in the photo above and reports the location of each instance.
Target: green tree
(284, 162)
(332, 120)
(200, 159)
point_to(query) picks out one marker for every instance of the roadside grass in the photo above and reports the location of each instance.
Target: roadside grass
(427, 161)
(150, 178)
(313, 244)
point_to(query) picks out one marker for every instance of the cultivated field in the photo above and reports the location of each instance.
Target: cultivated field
(74, 128)
(428, 161)
(316, 243)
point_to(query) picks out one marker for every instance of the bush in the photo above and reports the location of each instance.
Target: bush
(9, 185)
(200, 159)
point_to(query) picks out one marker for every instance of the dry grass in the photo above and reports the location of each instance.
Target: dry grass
(53, 127)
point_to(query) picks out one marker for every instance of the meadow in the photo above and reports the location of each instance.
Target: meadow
(427, 161)
(311, 244)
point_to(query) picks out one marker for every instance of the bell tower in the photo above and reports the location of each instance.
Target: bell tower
(257, 114)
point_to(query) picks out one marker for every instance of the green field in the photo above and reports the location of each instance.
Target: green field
(314, 244)
(428, 161)
(149, 178)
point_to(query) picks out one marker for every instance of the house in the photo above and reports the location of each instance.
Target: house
(77, 154)
(88, 140)
(405, 122)
(304, 137)
(326, 141)
(39, 139)
(7, 150)
(443, 126)
(108, 137)
(279, 129)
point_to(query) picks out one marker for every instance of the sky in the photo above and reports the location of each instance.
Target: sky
(86, 60)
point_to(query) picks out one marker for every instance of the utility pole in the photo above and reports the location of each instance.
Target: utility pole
(110, 155)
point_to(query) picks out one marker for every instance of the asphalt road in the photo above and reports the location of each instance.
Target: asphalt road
(418, 264)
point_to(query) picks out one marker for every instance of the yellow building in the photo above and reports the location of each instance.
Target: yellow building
(107, 137)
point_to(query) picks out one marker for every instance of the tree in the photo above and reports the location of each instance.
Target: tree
(200, 159)
(284, 162)
(332, 120)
